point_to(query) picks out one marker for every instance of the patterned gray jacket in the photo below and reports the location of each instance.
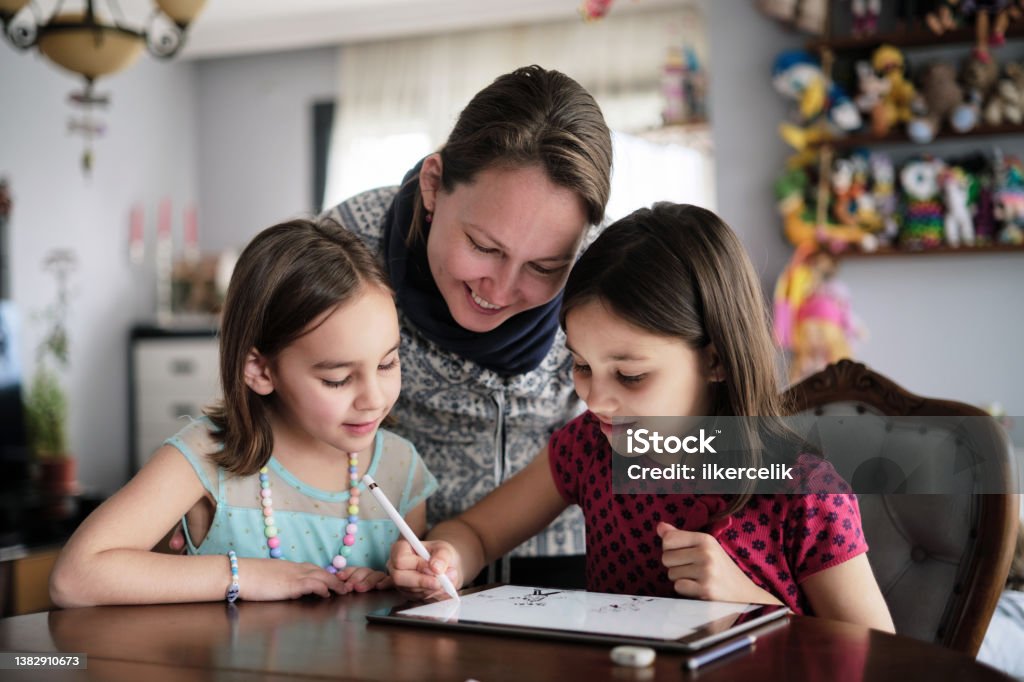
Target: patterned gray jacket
(473, 427)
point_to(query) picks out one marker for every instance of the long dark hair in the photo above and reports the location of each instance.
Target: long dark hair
(678, 270)
(286, 277)
(530, 117)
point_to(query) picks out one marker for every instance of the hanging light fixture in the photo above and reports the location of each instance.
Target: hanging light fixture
(94, 43)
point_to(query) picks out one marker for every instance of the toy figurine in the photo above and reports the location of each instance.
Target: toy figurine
(991, 19)
(923, 216)
(823, 107)
(943, 18)
(800, 225)
(883, 189)
(1009, 199)
(894, 108)
(865, 16)
(812, 316)
(959, 225)
(939, 99)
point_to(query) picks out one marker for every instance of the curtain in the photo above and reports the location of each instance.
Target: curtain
(398, 100)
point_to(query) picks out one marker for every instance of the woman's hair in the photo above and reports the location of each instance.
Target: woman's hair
(531, 117)
(286, 277)
(678, 270)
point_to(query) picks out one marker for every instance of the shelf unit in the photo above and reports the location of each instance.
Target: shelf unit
(916, 36)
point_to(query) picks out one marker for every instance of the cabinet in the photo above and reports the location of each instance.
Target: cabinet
(839, 51)
(172, 374)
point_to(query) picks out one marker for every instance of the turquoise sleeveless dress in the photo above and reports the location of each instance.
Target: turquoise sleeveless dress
(311, 522)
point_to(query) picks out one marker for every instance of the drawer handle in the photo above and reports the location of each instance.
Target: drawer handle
(183, 410)
(182, 366)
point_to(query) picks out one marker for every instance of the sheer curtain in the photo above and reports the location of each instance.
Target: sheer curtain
(398, 100)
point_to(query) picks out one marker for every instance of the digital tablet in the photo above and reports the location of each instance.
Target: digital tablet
(659, 622)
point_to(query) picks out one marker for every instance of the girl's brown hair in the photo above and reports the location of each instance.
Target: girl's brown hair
(530, 117)
(286, 277)
(678, 270)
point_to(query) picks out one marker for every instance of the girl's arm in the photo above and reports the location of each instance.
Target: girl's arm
(512, 513)
(108, 559)
(849, 592)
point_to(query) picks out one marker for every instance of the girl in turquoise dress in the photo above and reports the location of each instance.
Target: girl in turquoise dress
(268, 482)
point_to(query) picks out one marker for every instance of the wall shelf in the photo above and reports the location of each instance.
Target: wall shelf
(898, 136)
(888, 252)
(919, 36)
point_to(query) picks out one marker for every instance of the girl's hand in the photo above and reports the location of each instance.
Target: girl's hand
(274, 579)
(700, 568)
(415, 577)
(362, 579)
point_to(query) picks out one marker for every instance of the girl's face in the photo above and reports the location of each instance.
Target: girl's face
(502, 244)
(336, 383)
(623, 372)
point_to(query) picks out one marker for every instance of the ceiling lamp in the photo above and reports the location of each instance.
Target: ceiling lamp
(92, 43)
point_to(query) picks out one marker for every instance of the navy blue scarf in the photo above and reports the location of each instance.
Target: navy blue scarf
(517, 346)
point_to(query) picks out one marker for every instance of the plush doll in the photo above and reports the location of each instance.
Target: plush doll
(939, 98)
(871, 88)
(799, 220)
(959, 225)
(923, 216)
(812, 316)
(944, 17)
(979, 77)
(883, 190)
(895, 106)
(1006, 102)
(865, 16)
(823, 108)
(1009, 200)
(991, 19)
(592, 10)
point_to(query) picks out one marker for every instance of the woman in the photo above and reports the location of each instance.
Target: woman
(478, 241)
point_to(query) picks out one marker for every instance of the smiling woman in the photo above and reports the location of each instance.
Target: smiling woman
(477, 242)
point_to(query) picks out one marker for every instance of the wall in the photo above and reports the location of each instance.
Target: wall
(255, 137)
(147, 153)
(947, 326)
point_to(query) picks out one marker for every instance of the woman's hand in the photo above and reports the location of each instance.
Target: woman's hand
(416, 577)
(362, 579)
(699, 568)
(274, 579)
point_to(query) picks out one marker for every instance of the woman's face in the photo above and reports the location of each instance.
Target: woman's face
(501, 244)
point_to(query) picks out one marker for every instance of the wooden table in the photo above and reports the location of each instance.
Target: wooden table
(332, 639)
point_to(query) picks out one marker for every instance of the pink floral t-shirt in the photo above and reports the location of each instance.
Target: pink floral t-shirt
(777, 540)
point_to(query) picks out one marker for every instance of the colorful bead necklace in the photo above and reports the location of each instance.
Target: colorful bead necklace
(340, 560)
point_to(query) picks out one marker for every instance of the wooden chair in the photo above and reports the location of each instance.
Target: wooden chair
(941, 560)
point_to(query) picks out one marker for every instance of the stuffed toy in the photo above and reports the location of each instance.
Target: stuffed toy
(939, 99)
(823, 108)
(923, 215)
(1006, 102)
(865, 16)
(1009, 200)
(812, 316)
(944, 17)
(894, 108)
(979, 77)
(800, 224)
(883, 190)
(592, 10)
(959, 225)
(991, 19)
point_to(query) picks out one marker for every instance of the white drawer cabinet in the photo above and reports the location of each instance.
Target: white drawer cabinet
(173, 377)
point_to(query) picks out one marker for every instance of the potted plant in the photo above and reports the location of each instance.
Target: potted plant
(46, 404)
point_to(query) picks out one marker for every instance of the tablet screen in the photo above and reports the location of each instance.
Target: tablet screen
(575, 614)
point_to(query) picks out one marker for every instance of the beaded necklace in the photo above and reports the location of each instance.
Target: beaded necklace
(340, 560)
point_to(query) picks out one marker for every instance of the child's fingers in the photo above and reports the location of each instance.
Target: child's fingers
(673, 538)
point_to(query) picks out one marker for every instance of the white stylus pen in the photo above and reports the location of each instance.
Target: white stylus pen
(406, 531)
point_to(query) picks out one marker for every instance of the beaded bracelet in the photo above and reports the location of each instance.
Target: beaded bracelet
(232, 594)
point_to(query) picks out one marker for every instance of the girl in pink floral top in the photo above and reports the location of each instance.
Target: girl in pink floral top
(664, 316)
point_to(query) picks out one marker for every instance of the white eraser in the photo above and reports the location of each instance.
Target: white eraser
(633, 656)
